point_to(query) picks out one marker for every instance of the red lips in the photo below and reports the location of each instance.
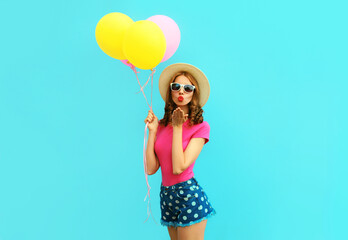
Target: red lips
(181, 98)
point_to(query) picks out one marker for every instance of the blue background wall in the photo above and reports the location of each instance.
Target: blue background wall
(71, 123)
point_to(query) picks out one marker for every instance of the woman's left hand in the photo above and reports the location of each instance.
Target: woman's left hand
(178, 117)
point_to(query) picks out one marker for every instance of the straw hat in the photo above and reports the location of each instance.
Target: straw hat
(168, 73)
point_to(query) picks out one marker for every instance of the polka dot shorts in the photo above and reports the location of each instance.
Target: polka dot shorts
(184, 204)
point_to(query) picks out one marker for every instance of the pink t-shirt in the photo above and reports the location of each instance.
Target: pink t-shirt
(163, 149)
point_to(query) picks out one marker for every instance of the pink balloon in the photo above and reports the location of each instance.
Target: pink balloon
(127, 63)
(171, 32)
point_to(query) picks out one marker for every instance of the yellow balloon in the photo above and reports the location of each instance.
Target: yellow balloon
(110, 32)
(144, 44)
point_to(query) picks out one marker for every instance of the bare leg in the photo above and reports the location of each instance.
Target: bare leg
(193, 232)
(173, 233)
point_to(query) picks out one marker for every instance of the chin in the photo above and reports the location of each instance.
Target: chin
(180, 104)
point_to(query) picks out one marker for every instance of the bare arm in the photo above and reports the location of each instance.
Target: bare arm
(152, 163)
(151, 158)
(182, 160)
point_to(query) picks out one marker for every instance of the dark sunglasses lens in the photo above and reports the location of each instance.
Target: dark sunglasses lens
(188, 88)
(175, 86)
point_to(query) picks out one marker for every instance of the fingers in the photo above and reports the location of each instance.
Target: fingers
(150, 117)
(178, 109)
(152, 114)
(178, 112)
(148, 120)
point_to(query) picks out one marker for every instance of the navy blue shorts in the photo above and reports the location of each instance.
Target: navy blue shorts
(184, 204)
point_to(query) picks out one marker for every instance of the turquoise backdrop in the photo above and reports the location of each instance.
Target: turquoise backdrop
(72, 125)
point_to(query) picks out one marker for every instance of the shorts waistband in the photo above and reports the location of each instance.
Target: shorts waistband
(189, 182)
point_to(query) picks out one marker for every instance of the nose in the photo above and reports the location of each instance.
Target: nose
(182, 90)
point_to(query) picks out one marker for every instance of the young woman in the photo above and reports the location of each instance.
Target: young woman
(174, 143)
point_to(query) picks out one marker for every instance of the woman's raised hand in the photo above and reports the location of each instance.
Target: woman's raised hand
(178, 117)
(153, 121)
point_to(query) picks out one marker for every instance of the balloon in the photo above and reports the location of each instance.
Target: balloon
(171, 32)
(110, 33)
(144, 44)
(126, 62)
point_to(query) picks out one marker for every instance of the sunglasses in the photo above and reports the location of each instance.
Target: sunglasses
(177, 87)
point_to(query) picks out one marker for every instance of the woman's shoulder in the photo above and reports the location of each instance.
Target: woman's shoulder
(203, 124)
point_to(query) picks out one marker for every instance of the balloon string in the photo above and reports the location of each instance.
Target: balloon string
(141, 87)
(151, 75)
(149, 212)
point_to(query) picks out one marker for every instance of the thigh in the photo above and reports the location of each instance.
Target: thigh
(192, 232)
(193, 205)
(173, 233)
